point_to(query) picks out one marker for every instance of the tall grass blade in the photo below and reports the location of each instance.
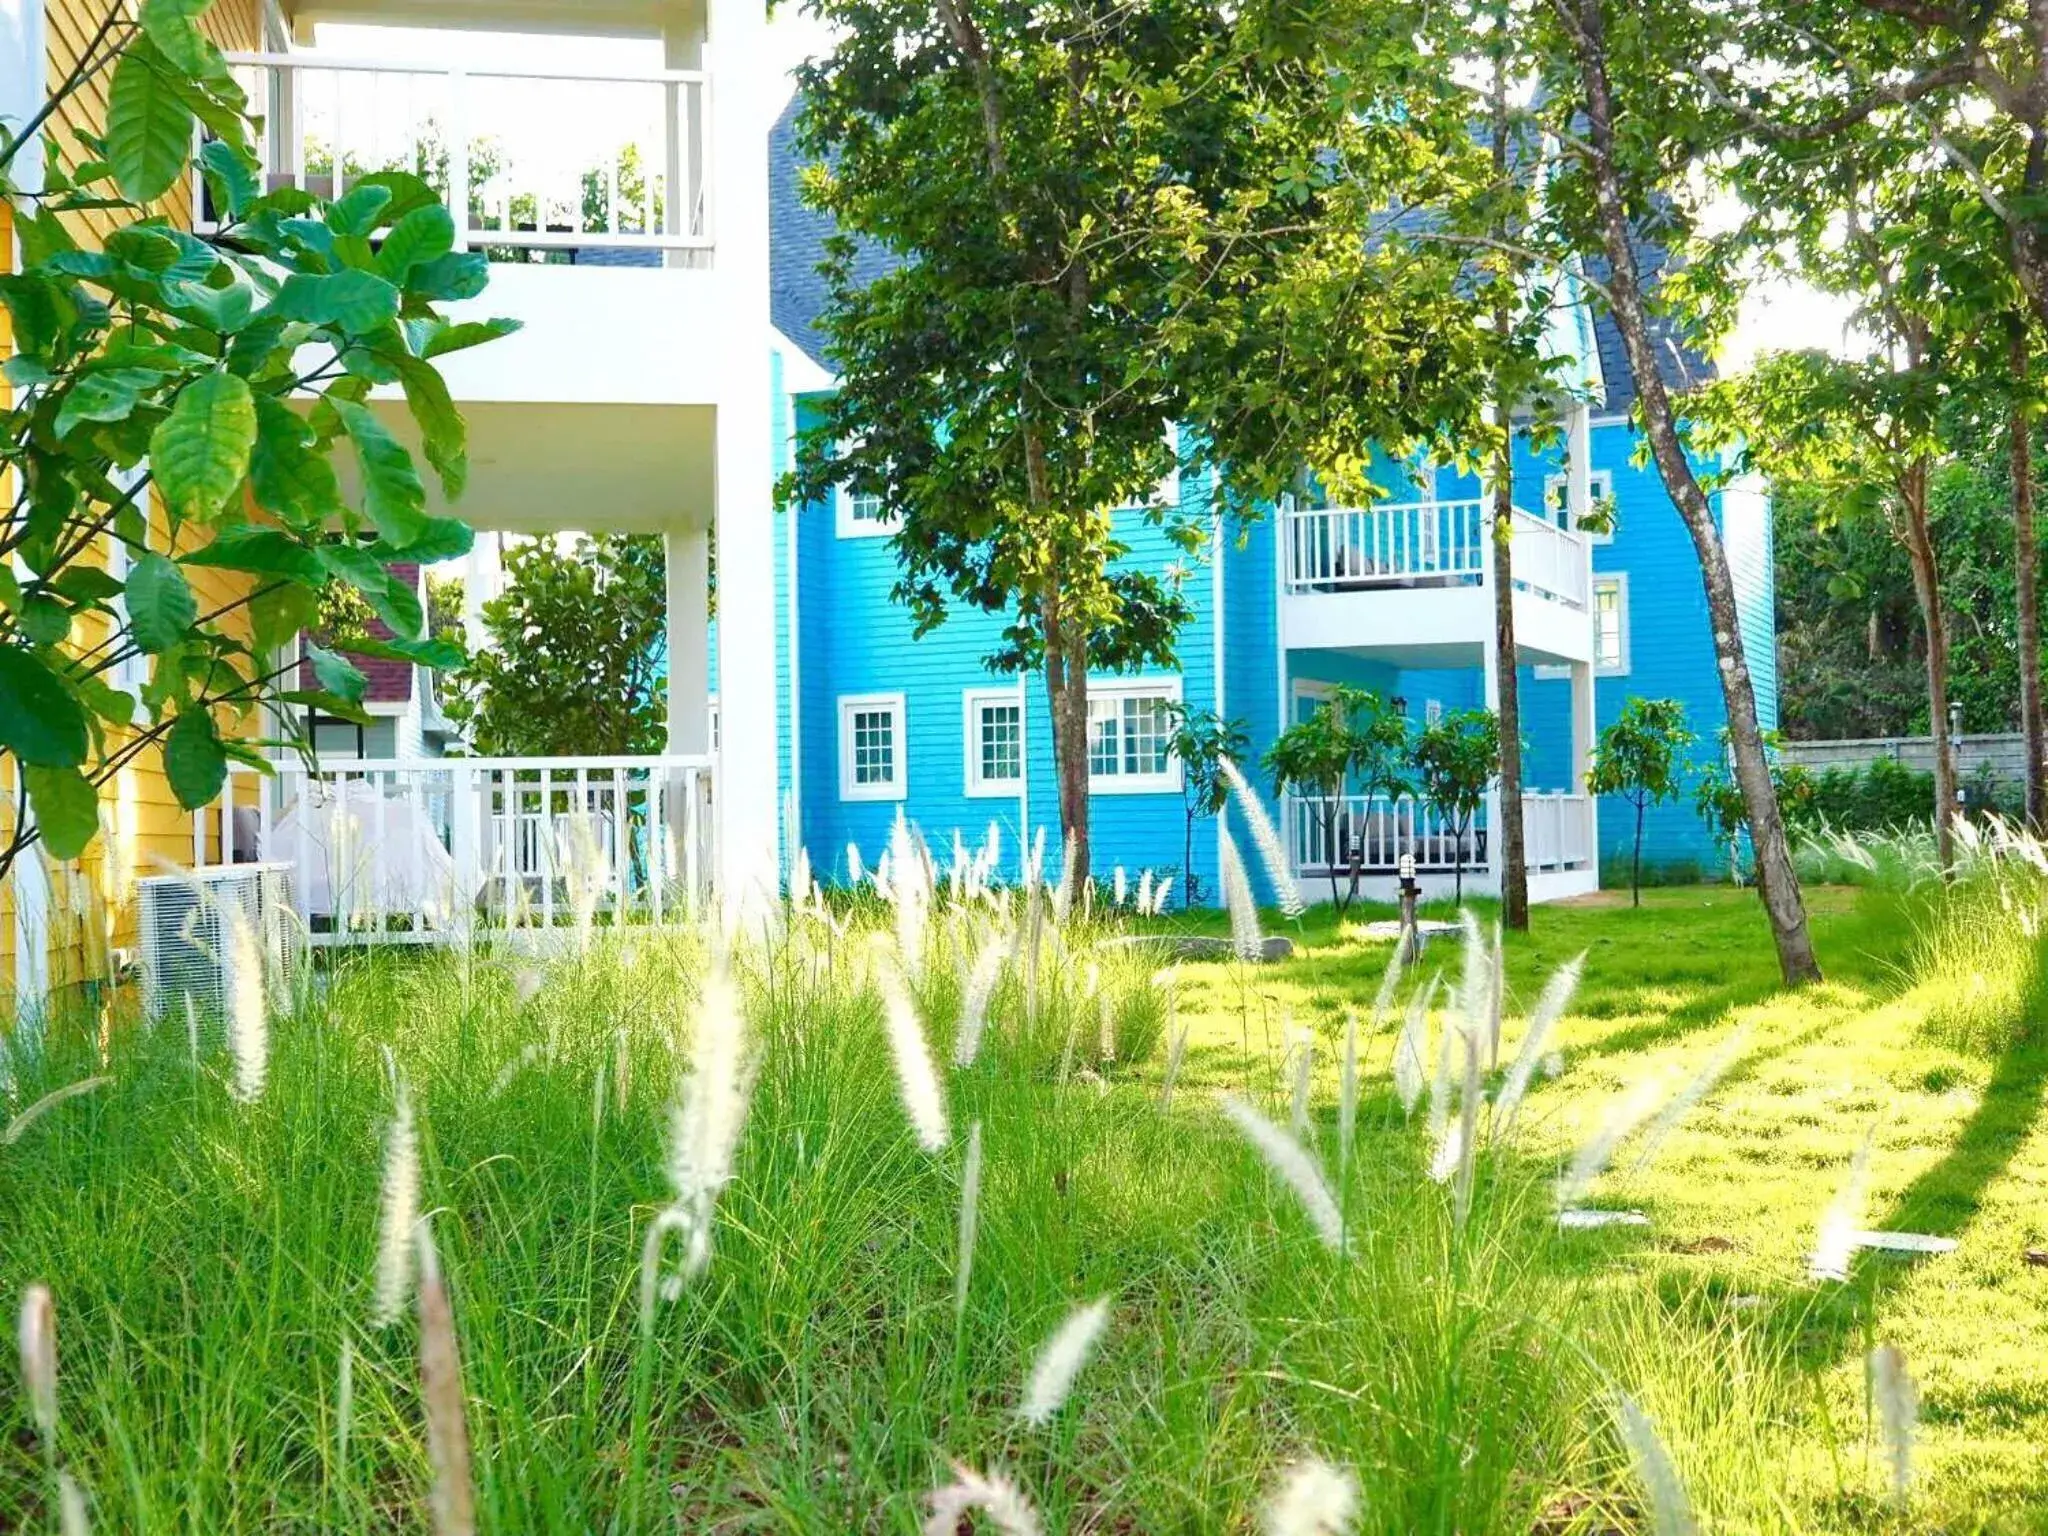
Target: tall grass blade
(454, 1502)
(18, 1126)
(970, 1216)
(1670, 1509)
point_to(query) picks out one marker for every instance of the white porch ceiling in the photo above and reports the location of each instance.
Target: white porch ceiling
(585, 18)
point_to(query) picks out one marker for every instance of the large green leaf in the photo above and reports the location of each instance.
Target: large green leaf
(358, 210)
(407, 191)
(457, 275)
(440, 337)
(280, 613)
(261, 552)
(161, 607)
(67, 809)
(40, 721)
(443, 433)
(149, 123)
(445, 538)
(441, 654)
(233, 180)
(290, 477)
(394, 600)
(200, 452)
(193, 759)
(109, 395)
(354, 301)
(421, 235)
(336, 673)
(392, 493)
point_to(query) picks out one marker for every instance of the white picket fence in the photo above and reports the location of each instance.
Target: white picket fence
(1323, 834)
(414, 851)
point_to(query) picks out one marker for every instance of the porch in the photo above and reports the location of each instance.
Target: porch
(419, 851)
(1372, 834)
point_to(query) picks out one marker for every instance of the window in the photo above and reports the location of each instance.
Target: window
(1432, 711)
(1130, 729)
(1557, 490)
(861, 514)
(871, 747)
(1610, 624)
(995, 742)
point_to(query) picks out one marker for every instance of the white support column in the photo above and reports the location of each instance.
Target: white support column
(748, 791)
(1579, 461)
(687, 553)
(1582, 752)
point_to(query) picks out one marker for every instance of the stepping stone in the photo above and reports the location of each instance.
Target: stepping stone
(1197, 947)
(1713, 1244)
(1583, 1220)
(1903, 1242)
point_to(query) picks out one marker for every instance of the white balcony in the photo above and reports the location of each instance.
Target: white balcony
(1414, 579)
(596, 168)
(420, 851)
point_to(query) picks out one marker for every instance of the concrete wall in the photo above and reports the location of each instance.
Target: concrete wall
(2005, 755)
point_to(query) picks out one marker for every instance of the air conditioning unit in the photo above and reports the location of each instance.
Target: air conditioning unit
(188, 947)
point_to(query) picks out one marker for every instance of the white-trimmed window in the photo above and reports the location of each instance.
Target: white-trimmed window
(871, 747)
(1610, 624)
(861, 514)
(995, 741)
(1557, 500)
(1130, 732)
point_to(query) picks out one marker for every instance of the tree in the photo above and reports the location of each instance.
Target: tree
(1203, 741)
(1354, 734)
(1105, 220)
(158, 366)
(575, 660)
(1456, 757)
(1641, 758)
(1612, 182)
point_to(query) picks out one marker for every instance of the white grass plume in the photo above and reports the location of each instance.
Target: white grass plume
(1304, 1082)
(974, 999)
(71, 1512)
(1292, 1164)
(1143, 905)
(854, 870)
(1313, 1499)
(1898, 1414)
(911, 888)
(1120, 887)
(454, 1505)
(19, 1125)
(248, 1006)
(1266, 838)
(1176, 1051)
(1617, 1124)
(1550, 1007)
(1060, 1360)
(991, 1493)
(1670, 1509)
(1245, 935)
(1440, 1081)
(924, 1102)
(1162, 893)
(705, 1122)
(1835, 1243)
(970, 1216)
(1063, 893)
(1412, 1046)
(1347, 1097)
(36, 1338)
(344, 1398)
(397, 1212)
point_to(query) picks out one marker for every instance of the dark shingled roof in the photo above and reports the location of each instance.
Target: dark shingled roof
(798, 295)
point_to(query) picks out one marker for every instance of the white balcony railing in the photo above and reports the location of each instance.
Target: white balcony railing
(602, 167)
(1427, 544)
(1377, 832)
(414, 850)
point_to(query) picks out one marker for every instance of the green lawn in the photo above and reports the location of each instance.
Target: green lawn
(213, 1262)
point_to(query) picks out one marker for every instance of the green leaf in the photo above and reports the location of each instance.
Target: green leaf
(444, 338)
(109, 395)
(232, 178)
(421, 235)
(354, 301)
(45, 620)
(200, 452)
(336, 673)
(290, 477)
(407, 191)
(356, 211)
(222, 309)
(170, 25)
(40, 721)
(445, 538)
(67, 809)
(393, 599)
(392, 493)
(86, 584)
(442, 655)
(278, 615)
(149, 124)
(161, 607)
(261, 552)
(443, 433)
(193, 759)
(457, 275)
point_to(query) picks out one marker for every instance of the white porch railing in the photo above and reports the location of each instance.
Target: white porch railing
(410, 851)
(577, 161)
(1408, 544)
(1427, 544)
(1326, 833)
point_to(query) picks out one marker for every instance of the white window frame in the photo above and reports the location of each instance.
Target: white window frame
(972, 702)
(898, 787)
(1557, 488)
(1619, 581)
(851, 527)
(1119, 688)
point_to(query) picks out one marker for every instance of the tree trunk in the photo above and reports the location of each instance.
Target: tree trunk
(2026, 564)
(1919, 542)
(1635, 865)
(1514, 863)
(1066, 689)
(1776, 881)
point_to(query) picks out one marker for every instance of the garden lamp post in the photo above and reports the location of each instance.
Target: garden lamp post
(1411, 934)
